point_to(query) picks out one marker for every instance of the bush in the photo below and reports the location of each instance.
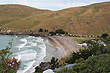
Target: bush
(80, 60)
(94, 59)
(8, 65)
(54, 63)
(52, 33)
(94, 49)
(104, 36)
(46, 30)
(40, 30)
(60, 31)
(96, 64)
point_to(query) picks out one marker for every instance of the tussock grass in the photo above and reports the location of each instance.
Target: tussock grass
(88, 20)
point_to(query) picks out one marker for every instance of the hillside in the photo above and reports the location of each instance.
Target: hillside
(89, 20)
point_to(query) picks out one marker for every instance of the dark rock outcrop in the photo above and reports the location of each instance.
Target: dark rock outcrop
(43, 66)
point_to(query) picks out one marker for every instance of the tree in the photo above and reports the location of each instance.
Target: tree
(52, 33)
(60, 31)
(40, 30)
(54, 63)
(95, 64)
(80, 60)
(104, 35)
(46, 30)
(66, 33)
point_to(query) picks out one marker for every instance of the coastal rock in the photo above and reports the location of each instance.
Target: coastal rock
(43, 66)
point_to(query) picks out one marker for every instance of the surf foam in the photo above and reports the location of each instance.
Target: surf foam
(22, 45)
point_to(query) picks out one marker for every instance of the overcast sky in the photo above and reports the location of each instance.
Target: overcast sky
(52, 4)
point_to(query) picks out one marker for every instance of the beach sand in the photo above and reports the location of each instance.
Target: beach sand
(60, 47)
(52, 51)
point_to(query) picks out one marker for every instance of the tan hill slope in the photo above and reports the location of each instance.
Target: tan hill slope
(20, 17)
(90, 20)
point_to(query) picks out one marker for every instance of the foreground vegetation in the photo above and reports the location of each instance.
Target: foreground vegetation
(7, 64)
(94, 59)
(95, 64)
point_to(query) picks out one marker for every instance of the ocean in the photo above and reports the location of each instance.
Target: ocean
(29, 49)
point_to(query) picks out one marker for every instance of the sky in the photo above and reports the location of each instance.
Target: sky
(53, 5)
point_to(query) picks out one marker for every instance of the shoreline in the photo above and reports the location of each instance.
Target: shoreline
(60, 47)
(51, 51)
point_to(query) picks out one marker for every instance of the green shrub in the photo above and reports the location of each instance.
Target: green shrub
(96, 64)
(40, 30)
(60, 31)
(8, 65)
(52, 33)
(80, 60)
(54, 63)
(104, 36)
(66, 70)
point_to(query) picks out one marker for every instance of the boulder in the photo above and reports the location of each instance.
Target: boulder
(43, 66)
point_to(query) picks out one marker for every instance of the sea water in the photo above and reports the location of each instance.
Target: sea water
(29, 50)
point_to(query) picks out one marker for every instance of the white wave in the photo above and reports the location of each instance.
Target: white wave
(29, 64)
(30, 58)
(16, 36)
(22, 45)
(23, 40)
(42, 47)
(39, 59)
(39, 40)
(32, 37)
(32, 44)
(43, 52)
(27, 55)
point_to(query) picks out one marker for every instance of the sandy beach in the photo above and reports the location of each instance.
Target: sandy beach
(59, 47)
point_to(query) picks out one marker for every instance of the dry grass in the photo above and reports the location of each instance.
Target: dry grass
(80, 39)
(88, 20)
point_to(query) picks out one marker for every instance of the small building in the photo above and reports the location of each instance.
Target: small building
(82, 45)
(57, 34)
(101, 43)
(71, 34)
(62, 34)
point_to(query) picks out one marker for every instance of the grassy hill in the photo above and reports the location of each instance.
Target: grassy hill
(89, 20)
